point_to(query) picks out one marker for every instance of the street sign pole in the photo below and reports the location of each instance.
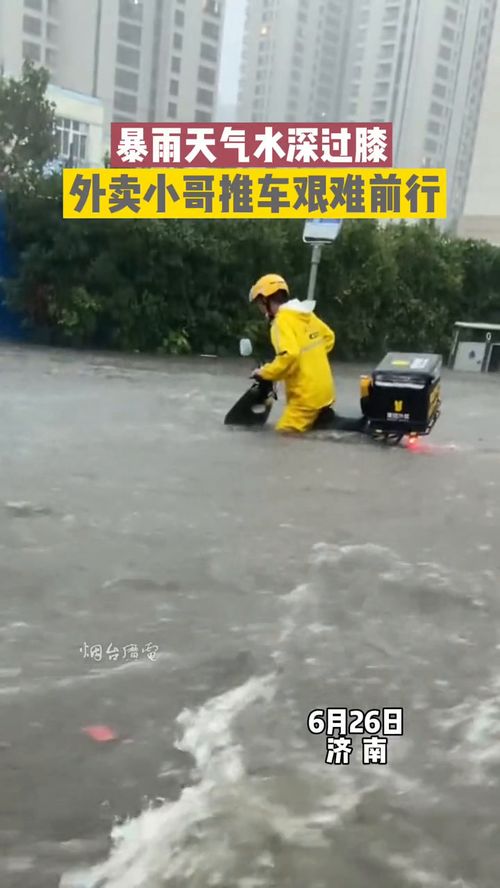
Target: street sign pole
(318, 233)
(313, 274)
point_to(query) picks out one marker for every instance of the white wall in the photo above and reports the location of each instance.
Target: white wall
(85, 110)
(483, 193)
(11, 57)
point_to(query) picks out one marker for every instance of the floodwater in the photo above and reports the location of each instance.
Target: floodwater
(265, 578)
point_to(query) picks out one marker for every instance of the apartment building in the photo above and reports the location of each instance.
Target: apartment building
(144, 59)
(481, 215)
(417, 63)
(422, 65)
(291, 60)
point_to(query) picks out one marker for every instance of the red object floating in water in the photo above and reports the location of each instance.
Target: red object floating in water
(100, 733)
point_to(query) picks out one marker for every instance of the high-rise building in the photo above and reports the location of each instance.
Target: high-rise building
(292, 58)
(481, 215)
(418, 63)
(422, 66)
(145, 59)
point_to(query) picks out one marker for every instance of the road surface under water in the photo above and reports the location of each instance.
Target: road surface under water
(265, 578)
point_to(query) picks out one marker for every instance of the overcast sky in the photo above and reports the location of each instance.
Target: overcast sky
(231, 51)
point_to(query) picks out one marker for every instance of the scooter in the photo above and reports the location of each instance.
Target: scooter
(400, 398)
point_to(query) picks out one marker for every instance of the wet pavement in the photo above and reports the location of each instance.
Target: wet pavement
(235, 582)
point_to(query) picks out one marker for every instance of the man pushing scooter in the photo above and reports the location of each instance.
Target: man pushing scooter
(302, 343)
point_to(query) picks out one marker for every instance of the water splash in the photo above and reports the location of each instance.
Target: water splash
(367, 629)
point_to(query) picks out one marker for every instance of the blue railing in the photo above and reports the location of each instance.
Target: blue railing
(11, 326)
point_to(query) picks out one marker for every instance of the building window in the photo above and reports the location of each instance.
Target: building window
(127, 79)
(176, 64)
(34, 4)
(212, 7)
(32, 51)
(392, 14)
(127, 56)
(179, 18)
(174, 88)
(381, 89)
(53, 8)
(389, 33)
(32, 25)
(384, 70)
(448, 34)
(434, 127)
(451, 14)
(379, 107)
(356, 72)
(129, 33)
(125, 102)
(445, 53)
(204, 96)
(71, 139)
(51, 58)
(131, 10)
(208, 52)
(443, 72)
(437, 110)
(431, 145)
(202, 117)
(211, 30)
(206, 75)
(387, 51)
(52, 32)
(178, 41)
(172, 110)
(439, 90)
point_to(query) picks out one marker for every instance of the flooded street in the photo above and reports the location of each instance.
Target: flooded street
(236, 581)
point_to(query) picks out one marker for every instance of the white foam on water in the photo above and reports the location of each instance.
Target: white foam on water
(418, 877)
(45, 686)
(478, 744)
(212, 832)
(363, 608)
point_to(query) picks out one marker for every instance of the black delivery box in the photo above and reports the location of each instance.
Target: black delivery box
(405, 393)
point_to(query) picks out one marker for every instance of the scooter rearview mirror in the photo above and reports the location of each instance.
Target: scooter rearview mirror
(246, 348)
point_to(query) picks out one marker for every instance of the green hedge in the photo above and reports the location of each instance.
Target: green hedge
(179, 286)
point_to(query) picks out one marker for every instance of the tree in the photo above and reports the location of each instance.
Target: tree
(174, 286)
(27, 127)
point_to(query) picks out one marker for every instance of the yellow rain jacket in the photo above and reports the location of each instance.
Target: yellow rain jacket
(302, 343)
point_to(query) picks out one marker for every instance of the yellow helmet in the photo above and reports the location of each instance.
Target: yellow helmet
(267, 286)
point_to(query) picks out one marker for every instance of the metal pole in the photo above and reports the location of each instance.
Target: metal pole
(453, 350)
(97, 46)
(315, 260)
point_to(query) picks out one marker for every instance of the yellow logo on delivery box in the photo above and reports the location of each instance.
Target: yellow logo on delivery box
(398, 406)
